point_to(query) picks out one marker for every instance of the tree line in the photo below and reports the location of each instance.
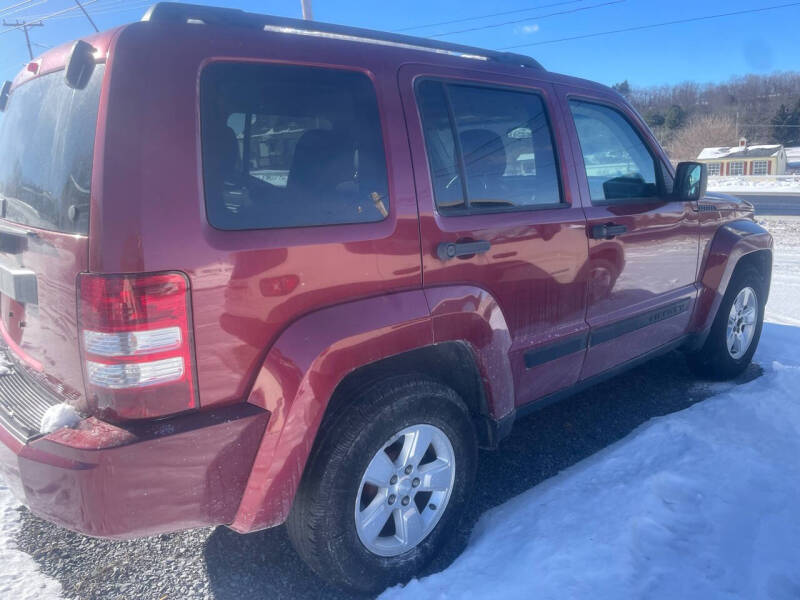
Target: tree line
(689, 116)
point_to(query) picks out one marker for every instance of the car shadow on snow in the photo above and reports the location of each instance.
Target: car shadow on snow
(264, 565)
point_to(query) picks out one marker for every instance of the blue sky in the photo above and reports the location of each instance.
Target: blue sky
(712, 50)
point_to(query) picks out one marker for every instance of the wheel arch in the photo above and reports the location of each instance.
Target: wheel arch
(734, 245)
(321, 357)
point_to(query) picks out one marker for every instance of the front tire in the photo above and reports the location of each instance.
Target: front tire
(736, 330)
(387, 481)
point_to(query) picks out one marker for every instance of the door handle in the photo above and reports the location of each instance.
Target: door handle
(606, 232)
(448, 250)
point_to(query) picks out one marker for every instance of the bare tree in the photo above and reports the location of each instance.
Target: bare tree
(702, 132)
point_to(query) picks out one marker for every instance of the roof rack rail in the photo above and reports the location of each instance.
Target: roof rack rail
(177, 12)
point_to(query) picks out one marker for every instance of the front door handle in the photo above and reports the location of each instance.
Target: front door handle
(448, 250)
(606, 232)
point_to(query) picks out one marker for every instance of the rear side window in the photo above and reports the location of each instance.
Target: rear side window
(488, 149)
(290, 146)
(46, 147)
(618, 164)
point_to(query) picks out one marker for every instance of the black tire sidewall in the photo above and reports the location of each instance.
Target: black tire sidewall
(343, 457)
(716, 358)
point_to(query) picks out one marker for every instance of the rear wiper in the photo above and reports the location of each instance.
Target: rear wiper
(4, 91)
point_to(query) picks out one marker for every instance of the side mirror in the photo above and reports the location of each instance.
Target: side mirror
(691, 181)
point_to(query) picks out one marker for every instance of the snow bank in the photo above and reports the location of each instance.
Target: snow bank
(702, 503)
(20, 578)
(784, 296)
(755, 184)
(58, 416)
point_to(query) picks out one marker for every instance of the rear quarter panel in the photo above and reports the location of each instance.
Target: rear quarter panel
(246, 285)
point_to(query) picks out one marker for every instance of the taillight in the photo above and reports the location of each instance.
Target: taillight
(136, 343)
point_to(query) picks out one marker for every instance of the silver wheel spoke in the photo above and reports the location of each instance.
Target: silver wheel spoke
(380, 470)
(435, 476)
(375, 517)
(409, 525)
(398, 483)
(742, 321)
(414, 447)
(731, 339)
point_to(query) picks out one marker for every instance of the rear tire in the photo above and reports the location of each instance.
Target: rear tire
(405, 430)
(736, 330)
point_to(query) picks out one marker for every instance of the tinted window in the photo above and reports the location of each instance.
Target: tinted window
(290, 146)
(618, 164)
(46, 146)
(488, 149)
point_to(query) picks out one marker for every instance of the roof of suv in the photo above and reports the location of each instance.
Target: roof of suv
(176, 12)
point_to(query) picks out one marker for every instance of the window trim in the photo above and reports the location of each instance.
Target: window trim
(658, 164)
(764, 163)
(469, 211)
(741, 163)
(718, 165)
(386, 221)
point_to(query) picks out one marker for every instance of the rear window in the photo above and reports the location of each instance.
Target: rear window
(46, 146)
(290, 146)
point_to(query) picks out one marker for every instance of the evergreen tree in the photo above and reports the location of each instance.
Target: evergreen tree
(785, 125)
(675, 118)
(623, 88)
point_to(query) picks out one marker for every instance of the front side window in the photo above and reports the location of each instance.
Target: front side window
(760, 167)
(619, 166)
(737, 168)
(290, 146)
(713, 169)
(488, 149)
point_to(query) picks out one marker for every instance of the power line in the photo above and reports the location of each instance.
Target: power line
(39, 20)
(86, 14)
(497, 14)
(653, 25)
(537, 17)
(13, 6)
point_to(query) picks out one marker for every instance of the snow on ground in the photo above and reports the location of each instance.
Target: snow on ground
(784, 297)
(20, 578)
(702, 503)
(788, 184)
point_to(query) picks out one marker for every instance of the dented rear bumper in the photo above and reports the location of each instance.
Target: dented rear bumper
(124, 482)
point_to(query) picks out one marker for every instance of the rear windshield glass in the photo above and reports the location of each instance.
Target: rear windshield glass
(46, 145)
(291, 146)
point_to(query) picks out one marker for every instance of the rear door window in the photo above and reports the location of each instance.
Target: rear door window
(290, 146)
(46, 148)
(488, 149)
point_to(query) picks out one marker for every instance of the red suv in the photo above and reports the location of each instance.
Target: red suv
(288, 271)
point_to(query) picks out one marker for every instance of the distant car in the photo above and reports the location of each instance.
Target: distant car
(284, 270)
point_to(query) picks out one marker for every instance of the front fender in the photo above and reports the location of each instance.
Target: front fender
(730, 244)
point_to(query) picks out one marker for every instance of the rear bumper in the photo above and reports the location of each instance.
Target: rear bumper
(108, 481)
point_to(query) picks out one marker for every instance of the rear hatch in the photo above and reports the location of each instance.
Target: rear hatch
(47, 136)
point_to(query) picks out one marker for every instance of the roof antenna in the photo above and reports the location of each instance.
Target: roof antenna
(307, 10)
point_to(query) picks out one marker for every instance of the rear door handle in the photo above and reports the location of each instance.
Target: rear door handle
(606, 232)
(448, 250)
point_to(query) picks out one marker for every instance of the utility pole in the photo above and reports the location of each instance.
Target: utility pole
(24, 25)
(86, 14)
(306, 10)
